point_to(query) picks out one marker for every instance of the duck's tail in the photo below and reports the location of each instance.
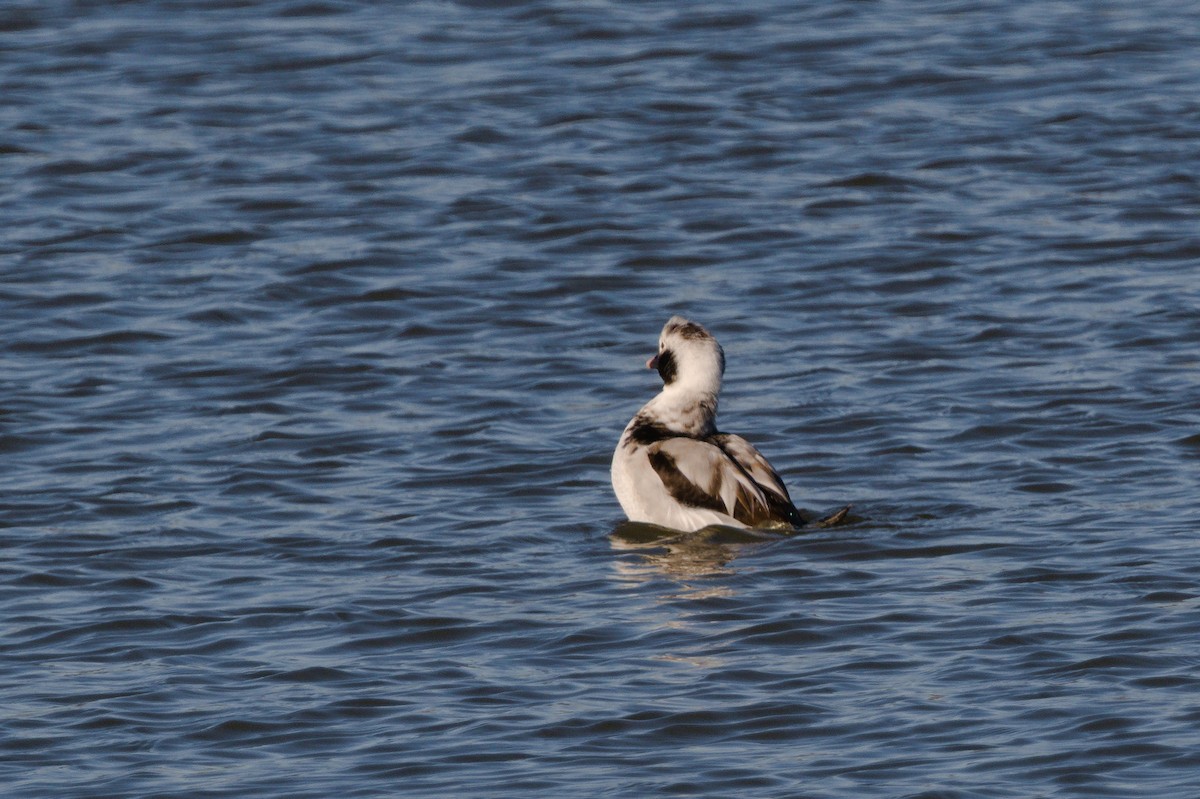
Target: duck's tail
(833, 519)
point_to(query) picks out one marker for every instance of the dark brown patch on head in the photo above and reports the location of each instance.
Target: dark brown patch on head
(667, 368)
(687, 330)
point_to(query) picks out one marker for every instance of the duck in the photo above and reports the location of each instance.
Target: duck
(673, 468)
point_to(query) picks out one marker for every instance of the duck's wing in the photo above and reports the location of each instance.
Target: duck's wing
(746, 456)
(701, 474)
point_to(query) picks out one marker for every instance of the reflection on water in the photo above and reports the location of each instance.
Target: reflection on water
(701, 553)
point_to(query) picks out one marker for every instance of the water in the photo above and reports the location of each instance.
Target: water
(319, 322)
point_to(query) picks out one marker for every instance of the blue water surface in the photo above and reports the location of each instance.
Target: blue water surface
(320, 319)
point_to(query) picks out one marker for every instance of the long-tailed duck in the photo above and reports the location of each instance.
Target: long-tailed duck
(674, 469)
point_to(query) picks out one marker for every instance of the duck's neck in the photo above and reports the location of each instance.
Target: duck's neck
(692, 413)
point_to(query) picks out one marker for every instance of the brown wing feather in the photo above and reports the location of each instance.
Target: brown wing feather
(764, 476)
(680, 486)
(703, 474)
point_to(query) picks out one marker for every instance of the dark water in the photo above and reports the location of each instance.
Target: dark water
(319, 321)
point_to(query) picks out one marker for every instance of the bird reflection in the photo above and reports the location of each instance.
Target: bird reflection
(707, 551)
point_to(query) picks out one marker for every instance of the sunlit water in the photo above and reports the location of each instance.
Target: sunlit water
(319, 322)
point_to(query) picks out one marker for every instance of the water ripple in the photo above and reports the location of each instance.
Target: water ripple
(319, 322)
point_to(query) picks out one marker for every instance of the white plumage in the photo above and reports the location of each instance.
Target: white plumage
(673, 468)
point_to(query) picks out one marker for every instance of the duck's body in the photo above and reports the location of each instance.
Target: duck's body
(673, 468)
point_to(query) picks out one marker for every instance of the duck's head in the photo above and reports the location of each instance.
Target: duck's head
(689, 358)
